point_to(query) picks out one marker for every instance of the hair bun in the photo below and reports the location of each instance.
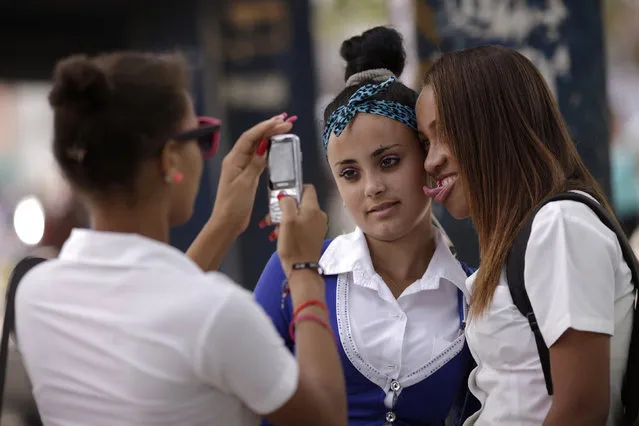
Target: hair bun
(379, 47)
(79, 83)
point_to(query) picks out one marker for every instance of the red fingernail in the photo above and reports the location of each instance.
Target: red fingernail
(262, 147)
(281, 195)
(292, 119)
(272, 236)
(262, 224)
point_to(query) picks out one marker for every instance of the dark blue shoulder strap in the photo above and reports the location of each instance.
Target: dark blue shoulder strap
(467, 269)
(326, 244)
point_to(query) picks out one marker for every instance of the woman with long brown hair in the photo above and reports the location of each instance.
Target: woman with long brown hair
(497, 147)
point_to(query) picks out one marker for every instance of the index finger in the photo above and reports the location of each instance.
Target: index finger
(278, 129)
(309, 198)
(248, 141)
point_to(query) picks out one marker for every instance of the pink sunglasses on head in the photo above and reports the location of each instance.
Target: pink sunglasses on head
(207, 135)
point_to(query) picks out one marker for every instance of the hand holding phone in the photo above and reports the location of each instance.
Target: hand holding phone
(302, 231)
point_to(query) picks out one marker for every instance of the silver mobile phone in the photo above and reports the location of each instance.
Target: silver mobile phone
(284, 171)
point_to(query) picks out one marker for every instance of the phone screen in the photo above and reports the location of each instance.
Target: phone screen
(280, 165)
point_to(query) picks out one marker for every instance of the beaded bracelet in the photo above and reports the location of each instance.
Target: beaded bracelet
(297, 267)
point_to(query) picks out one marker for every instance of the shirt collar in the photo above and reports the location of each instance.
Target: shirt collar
(346, 253)
(349, 253)
(444, 265)
(124, 249)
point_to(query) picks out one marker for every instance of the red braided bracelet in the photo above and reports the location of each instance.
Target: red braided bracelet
(307, 317)
(308, 303)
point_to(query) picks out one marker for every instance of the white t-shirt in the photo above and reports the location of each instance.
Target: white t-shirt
(124, 330)
(576, 278)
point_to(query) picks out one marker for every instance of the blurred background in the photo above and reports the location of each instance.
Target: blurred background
(252, 59)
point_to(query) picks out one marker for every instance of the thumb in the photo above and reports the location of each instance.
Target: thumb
(288, 207)
(309, 197)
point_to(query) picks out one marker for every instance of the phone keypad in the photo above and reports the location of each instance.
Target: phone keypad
(274, 210)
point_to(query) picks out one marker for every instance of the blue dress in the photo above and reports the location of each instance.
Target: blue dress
(439, 391)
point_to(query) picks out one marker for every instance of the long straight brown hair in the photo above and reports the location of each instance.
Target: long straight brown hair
(504, 127)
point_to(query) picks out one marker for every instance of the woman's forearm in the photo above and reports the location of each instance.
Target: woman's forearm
(211, 244)
(577, 415)
(315, 347)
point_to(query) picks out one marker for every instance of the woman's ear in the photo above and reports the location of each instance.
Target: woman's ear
(170, 158)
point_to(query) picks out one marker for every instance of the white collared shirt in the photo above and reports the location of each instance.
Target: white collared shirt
(124, 330)
(387, 338)
(575, 277)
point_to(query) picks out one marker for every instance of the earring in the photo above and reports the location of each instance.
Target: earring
(344, 204)
(174, 177)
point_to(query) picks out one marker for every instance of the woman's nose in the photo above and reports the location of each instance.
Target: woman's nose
(435, 160)
(374, 185)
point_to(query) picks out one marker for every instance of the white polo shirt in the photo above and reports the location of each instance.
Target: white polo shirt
(124, 330)
(576, 278)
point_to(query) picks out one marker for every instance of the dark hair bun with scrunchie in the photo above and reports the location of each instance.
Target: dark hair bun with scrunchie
(79, 84)
(379, 47)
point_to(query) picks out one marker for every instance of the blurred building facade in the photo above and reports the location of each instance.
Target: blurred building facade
(252, 59)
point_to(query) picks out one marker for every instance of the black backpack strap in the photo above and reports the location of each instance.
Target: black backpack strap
(515, 276)
(8, 325)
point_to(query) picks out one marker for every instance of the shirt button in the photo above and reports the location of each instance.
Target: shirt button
(391, 417)
(395, 386)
